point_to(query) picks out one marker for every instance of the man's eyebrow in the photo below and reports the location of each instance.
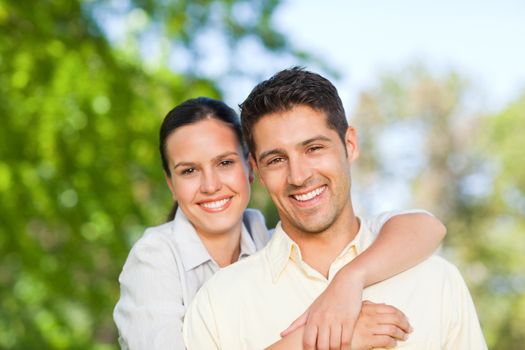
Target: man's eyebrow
(316, 139)
(270, 152)
(303, 144)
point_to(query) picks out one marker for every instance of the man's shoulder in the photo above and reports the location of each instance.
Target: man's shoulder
(241, 273)
(433, 272)
(438, 264)
(434, 267)
(214, 318)
(449, 274)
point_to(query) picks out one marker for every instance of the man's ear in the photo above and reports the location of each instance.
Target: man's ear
(253, 167)
(170, 185)
(351, 143)
(251, 177)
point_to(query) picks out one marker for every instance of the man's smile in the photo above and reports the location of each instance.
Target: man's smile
(309, 197)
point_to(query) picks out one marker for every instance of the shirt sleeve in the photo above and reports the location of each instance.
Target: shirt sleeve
(200, 327)
(150, 310)
(464, 331)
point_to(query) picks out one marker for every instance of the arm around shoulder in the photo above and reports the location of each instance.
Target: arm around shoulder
(416, 233)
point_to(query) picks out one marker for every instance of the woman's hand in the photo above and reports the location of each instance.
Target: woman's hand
(377, 326)
(329, 322)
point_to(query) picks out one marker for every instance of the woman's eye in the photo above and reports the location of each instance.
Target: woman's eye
(188, 171)
(226, 162)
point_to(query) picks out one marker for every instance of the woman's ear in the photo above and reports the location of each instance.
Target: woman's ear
(171, 186)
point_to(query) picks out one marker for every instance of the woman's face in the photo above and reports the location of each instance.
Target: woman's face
(210, 178)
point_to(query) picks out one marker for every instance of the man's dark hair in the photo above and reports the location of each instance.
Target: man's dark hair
(287, 89)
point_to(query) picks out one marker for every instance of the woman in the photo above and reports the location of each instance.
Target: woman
(205, 163)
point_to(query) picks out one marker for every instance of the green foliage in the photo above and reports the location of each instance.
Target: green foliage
(80, 175)
(504, 226)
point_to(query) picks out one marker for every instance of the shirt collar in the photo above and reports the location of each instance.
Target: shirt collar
(363, 238)
(247, 243)
(282, 249)
(192, 250)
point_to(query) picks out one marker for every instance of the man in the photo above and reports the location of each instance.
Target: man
(303, 148)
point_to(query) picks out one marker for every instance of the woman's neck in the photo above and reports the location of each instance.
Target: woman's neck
(224, 248)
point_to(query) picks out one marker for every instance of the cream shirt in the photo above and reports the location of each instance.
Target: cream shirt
(247, 305)
(162, 273)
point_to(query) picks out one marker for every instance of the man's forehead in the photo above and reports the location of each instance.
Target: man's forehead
(290, 127)
(295, 114)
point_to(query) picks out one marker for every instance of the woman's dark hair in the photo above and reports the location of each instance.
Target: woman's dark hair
(192, 111)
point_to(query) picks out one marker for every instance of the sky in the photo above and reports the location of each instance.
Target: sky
(483, 40)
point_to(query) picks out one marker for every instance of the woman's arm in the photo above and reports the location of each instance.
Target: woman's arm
(403, 242)
(150, 310)
(378, 325)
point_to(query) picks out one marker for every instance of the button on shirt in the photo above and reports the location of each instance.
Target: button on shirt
(247, 305)
(164, 270)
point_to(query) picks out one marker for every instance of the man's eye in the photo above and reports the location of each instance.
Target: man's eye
(226, 162)
(314, 149)
(275, 161)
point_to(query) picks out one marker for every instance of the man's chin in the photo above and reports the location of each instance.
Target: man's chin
(313, 226)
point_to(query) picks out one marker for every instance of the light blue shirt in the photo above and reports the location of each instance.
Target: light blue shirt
(163, 272)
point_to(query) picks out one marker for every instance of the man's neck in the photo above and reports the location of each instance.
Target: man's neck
(319, 250)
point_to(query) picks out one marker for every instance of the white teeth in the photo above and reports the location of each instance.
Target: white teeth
(216, 204)
(309, 195)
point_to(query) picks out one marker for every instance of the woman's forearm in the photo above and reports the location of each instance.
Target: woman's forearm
(403, 242)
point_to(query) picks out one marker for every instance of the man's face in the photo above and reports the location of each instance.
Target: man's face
(304, 166)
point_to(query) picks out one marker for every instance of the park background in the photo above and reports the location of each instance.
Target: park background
(435, 89)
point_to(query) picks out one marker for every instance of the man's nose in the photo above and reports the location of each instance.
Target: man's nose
(298, 172)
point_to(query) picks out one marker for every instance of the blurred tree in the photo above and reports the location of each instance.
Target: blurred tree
(503, 288)
(79, 171)
(465, 168)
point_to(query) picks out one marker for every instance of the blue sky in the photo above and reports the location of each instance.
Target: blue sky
(483, 40)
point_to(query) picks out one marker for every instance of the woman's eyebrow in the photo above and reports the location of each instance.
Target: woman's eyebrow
(216, 158)
(185, 164)
(226, 154)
